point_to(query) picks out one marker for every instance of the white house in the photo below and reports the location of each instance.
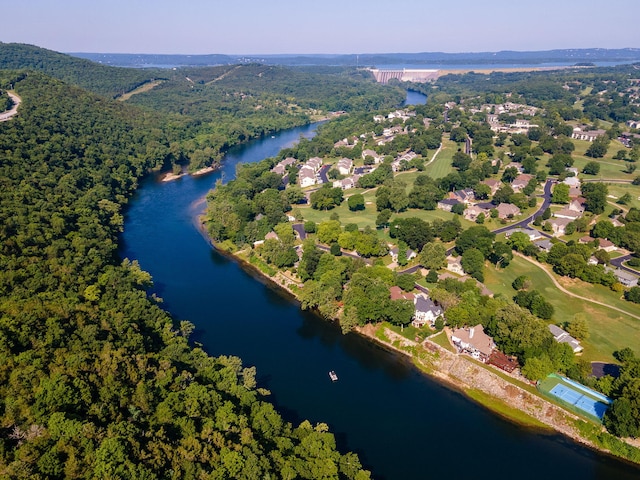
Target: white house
(426, 311)
(307, 176)
(474, 341)
(344, 166)
(454, 265)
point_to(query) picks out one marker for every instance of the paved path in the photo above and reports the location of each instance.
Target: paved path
(564, 290)
(9, 114)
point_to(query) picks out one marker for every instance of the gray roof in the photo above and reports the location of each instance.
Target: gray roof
(427, 305)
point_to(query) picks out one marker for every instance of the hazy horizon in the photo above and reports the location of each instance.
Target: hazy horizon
(332, 27)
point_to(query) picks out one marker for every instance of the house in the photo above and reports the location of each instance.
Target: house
(560, 336)
(315, 163)
(558, 225)
(347, 183)
(447, 204)
(567, 213)
(529, 232)
(507, 210)
(377, 158)
(625, 278)
(307, 176)
(344, 166)
(465, 196)
(544, 244)
(602, 243)
(473, 341)
(573, 182)
(271, 236)
(521, 181)
(394, 254)
(493, 184)
(396, 293)
(577, 205)
(454, 265)
(281, 167)
(500, 360)
(473, 211)
(589, 136)
(633, 123)
(426, 311)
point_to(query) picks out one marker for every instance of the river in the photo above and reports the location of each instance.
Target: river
(402, 424)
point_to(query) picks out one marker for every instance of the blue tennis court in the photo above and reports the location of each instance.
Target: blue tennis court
(579, 400)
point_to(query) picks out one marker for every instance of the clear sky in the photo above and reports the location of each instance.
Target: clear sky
(321, 26)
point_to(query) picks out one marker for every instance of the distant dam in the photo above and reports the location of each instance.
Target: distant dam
(405, 75)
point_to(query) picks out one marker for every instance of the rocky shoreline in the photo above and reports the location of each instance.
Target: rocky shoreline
(455, 370)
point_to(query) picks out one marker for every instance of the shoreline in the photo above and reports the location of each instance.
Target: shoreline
(456, 371)
(170, 176)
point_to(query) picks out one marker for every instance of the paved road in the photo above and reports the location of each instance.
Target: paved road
(323, 173)
(9, 114)
(299, 227)
(618, 262)
(524, 223)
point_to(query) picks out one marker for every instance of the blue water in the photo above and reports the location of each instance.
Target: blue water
(403, 424)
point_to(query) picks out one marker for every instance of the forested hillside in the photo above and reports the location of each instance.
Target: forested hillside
(96, 380)
(108, 81)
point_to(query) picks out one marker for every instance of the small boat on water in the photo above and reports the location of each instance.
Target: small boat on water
(333, 376)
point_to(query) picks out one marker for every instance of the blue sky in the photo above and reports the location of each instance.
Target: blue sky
(325, 26)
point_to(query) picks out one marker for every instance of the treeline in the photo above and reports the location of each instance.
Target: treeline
(96, 380)
(604, 91)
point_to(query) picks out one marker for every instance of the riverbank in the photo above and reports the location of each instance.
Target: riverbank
(506, 396)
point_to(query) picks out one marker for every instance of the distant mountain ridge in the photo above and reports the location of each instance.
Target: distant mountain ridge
(569, 56)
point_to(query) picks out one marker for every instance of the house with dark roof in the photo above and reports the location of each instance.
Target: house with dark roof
(464, 196)
(447, 204)
(426, 311)
(544, 244)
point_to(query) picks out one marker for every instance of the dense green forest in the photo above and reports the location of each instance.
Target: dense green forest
(96, 380)
(102, 79)
(213, 108)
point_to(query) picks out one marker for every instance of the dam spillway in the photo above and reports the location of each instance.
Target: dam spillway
(405, 75)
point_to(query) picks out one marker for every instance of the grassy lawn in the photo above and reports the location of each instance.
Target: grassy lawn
(442, 340)
(441, 166)
(618, 190)
(609, 330)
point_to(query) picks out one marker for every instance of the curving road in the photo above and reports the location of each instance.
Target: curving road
(9, 114)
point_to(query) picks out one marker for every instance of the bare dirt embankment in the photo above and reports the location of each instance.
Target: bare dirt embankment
(141, 89)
